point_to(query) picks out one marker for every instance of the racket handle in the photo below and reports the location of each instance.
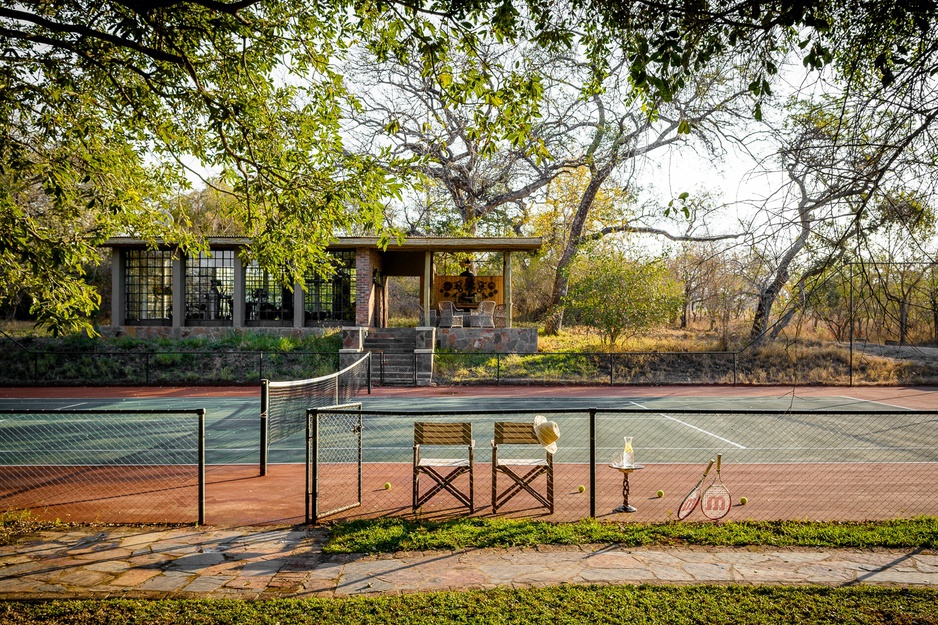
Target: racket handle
(707, 470)
(719, 458)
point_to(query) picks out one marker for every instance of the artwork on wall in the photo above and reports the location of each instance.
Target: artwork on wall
(468, 290)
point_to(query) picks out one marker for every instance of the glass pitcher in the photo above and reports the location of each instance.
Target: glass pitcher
(628, 454)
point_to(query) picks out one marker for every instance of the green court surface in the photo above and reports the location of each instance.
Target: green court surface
(820, 429)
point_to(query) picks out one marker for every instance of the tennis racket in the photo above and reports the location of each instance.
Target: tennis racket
(693, 497)
(716, 501)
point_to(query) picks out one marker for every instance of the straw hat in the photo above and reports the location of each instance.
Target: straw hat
(547, 433)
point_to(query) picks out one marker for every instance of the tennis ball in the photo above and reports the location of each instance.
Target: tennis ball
(387, 486)
(743, 501)
(581, 488)
(660, 494)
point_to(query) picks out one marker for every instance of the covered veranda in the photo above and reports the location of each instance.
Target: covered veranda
(464, 272)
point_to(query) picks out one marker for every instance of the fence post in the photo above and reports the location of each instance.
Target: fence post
(368, 368)
(309, 467)
(592, 463)
(735, 366)
(612, 368)
(146, 368)
(850, 316)
(312, 460)
(36, 366)
(201, 412)
(498, 369)
(415, 368)
(265, 404)
(260, 366)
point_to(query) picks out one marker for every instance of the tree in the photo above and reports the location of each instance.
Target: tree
(619, 133)
(484, 155)
(619, 297)
(847, 184)
(103, 105)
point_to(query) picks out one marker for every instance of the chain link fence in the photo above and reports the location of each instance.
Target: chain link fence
(25, 368)
(753, 366)
(66, 464)
(835, 466)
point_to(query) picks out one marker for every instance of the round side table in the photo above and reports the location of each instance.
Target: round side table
(625, 471)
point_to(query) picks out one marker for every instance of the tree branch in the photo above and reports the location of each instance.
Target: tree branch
(594, 236)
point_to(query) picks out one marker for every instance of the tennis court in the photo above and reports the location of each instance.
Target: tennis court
(833, 457)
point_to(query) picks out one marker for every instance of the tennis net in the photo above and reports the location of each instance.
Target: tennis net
(284, 404)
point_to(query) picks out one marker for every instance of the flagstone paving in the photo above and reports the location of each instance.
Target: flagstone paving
(288, 562)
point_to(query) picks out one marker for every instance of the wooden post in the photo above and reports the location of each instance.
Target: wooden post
(427, 284)
(179, 290)
(506, 274)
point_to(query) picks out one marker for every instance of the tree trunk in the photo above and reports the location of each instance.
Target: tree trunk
(769, 292)
(685, 305)
(554, 322)
(934, 316)
(903, 321)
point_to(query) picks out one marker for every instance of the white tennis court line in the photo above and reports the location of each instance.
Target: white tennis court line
(873, 401)
(693, 427)
(72, 406)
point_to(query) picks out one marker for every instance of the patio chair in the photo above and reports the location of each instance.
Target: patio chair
(443, 471)
(484, 317)
(514, 433)
(449, 318)
(500, 316)
(433, 316)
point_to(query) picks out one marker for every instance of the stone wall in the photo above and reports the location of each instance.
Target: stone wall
(491, 340)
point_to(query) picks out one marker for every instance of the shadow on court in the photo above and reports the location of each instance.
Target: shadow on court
(237, 496)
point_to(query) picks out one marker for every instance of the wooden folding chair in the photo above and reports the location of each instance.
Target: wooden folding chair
(510, 433)
(443, 434)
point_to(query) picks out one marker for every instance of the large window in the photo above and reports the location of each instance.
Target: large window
(148, 287)
(209, 285)
(267, 301)
(332, 299)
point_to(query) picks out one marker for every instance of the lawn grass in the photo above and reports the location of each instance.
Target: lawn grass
(638, 605)
(392, 535)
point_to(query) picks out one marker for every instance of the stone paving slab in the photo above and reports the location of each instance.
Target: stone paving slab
(251, 563)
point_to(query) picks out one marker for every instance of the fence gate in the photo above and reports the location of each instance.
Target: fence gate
(333, 460)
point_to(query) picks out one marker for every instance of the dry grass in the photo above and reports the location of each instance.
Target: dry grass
(17, 523)
(805, 360)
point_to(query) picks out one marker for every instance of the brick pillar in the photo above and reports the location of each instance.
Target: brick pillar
(363, 287)
(366, 293)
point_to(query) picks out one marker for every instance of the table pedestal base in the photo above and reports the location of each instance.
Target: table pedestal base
(625, 507)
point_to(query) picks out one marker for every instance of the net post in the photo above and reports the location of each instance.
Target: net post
(368, 369)
(592, 412)
(201, 413)
(265, 405)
